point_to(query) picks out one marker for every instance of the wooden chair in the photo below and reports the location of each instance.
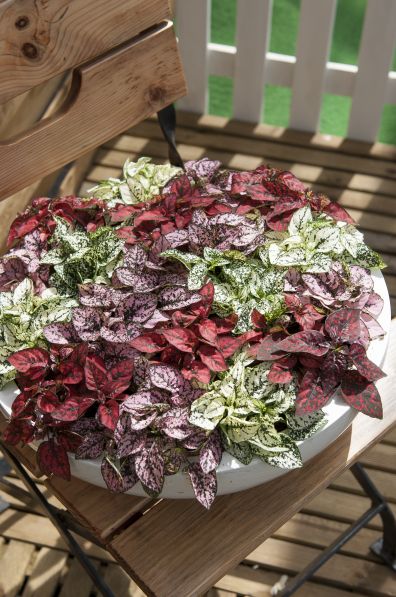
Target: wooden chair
(171, 548)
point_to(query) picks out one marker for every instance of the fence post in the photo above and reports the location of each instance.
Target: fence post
(375, 60)
(252, 39)
(193, 30)
(313, 44)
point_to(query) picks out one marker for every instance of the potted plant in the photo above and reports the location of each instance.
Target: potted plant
(179, 330)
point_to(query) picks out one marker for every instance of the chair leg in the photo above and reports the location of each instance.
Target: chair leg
(385, 547)
(4, 469)
(59, 522)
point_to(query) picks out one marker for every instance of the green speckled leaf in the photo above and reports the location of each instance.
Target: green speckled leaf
(301, 428)
(197, 276)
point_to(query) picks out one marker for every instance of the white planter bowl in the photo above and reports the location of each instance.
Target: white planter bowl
(232, 475)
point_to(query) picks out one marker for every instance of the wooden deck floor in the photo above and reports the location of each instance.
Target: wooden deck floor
(35, 562)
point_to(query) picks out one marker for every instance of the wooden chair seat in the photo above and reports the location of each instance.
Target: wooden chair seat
(175, 547)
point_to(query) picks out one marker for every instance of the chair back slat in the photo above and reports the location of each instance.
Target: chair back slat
(108, 95)
(252, 40)
(313, 45)
(375, 59)
(39, 39)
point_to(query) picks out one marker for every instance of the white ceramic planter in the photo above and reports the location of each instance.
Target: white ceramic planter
(233, 476)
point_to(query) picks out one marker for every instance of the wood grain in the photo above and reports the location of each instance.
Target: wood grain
(238, 523)
(18, 114)
(129, 84)
(39, 39)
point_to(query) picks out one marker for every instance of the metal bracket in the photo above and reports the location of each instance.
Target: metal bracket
(385, 547)
(63, 522)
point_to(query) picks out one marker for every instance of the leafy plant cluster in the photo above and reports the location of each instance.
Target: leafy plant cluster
(177, 315)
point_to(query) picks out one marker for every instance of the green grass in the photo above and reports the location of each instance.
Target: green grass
(345, 48)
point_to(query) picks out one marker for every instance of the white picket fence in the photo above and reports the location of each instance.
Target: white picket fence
(309, 74)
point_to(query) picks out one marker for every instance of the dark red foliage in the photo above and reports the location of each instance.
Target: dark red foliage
(53, 460)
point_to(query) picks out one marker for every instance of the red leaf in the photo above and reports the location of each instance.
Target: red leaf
(207, 293)
(277, 374)
(48, 402)
(121, 213)
(307, 316)
(120, 378)
(108, 414)
(180, 186)
(71, 373)
(212, 358)
(22, 225)
(96, 375)
(332, 369)
(281, 214)
(338, 213)
(367, 368)
(307, 341)
(183, 319)
(361, 394)
(230, 344)
(29, 358)
(20, 404)
(182, 338)
(225, 325)
(268, 349)
(18, 431)
(208, 331)
(127, 234)
(72, 408)
(151, 342)
(311, 396)
(309, 361)
(197, 370)
(53, 460)
(344, 325)
(258, 320)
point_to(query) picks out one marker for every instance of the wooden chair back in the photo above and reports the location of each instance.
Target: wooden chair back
(124, 62)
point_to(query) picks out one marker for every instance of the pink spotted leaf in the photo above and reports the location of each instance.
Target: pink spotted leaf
(367, 368)
(344, 325)
(111, 475)
(211, 453)
(149, 465)
(308, 341)
(311, 396)
(204, 484)
(92, 445)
